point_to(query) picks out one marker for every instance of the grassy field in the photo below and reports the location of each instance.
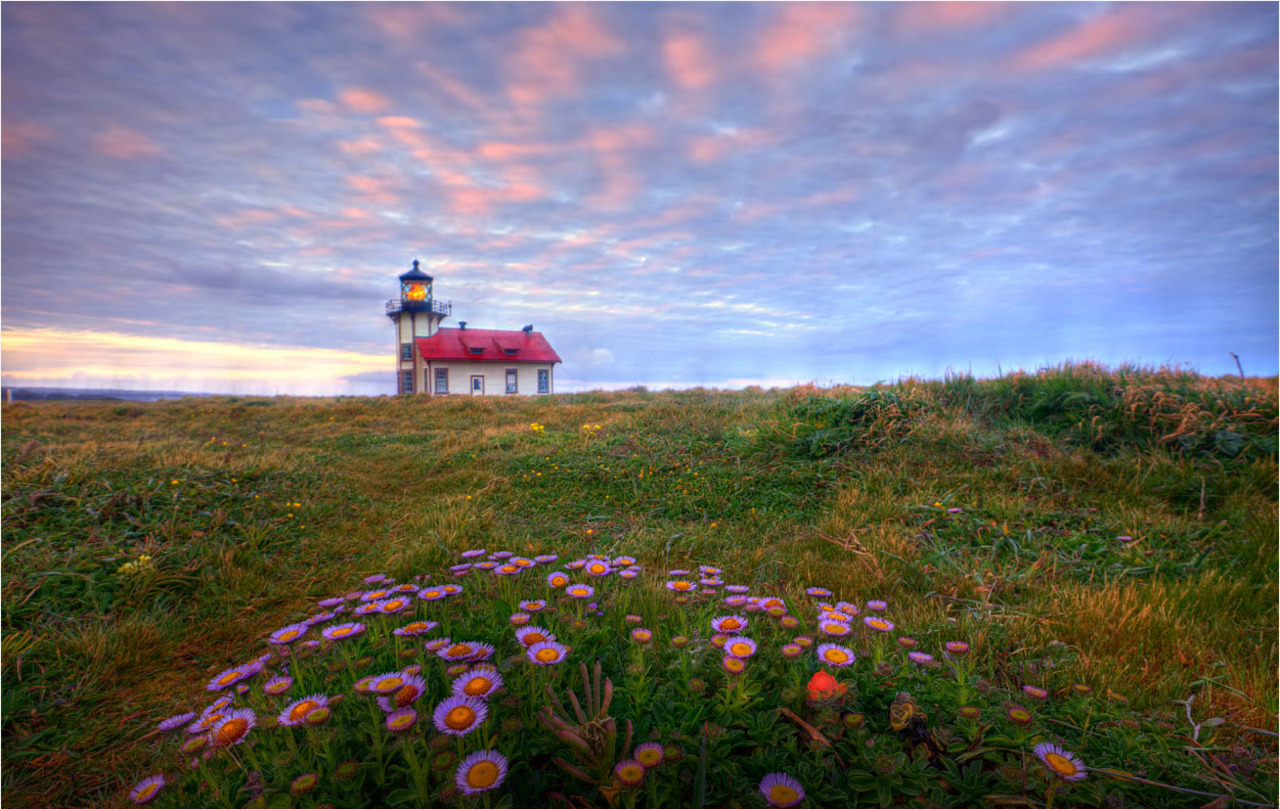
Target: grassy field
(1108, 528)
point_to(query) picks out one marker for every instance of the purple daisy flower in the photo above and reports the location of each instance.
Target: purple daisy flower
(920, 657)
(295, 713)
(781, 790)
(458, 716)
(740, 646)
(175, 722)
(1059, 762)
(330, 603)
(376, 578)
(737, 589)
(878, 606)
(147, 789)
(729, 623)
(277, 685)
(234, 727)
(233, 675)
(474, 554)
(580, 590)
(342, 631)
(480, 772)
(414, 629)
(480, 683)
(402, 720)
(878, 624)
(501, 555)
(832, 654)
(818, 592)
(547, 653)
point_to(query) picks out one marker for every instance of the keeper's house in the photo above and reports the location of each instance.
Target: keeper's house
(468, 362)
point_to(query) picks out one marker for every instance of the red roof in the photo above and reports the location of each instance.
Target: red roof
(493, 345)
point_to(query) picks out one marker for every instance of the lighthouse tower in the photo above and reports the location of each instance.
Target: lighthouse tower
(416, 313)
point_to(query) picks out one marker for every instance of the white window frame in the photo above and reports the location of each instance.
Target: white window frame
(512, 380)
(544, 380)
(438, 389)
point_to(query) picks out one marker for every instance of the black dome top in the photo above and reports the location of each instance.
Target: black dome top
(415, 274)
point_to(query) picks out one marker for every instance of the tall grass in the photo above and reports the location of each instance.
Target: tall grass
(248, 509)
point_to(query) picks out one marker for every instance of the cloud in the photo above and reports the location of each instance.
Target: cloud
(363, 100)
(801, 33)
(100, 359)
(688, 61)
(548, 60)
(1103, 33)
(124, 143)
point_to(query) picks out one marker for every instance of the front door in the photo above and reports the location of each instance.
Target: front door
(477, 385)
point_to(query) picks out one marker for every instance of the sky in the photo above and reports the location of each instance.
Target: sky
(219, 197)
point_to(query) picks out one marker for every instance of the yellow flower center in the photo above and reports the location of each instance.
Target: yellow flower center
(433, 594)
(460, 650)
(416, 626)
(740, 649)
(575, 591)
(340, 632)
(547, 655)
(877, 624)
(650, 757)
(682, 585)
(317, 717)
(734, 664)
(388, 684)
(631, 774)
(482, 775)
(229, 678)
(837, 656)
(1061, 764)
(477, 686)
(146, 792)
(558, 581)
(303, 708)
(597, 569)
(400, 723)
(460, 718)
(289, 635)
(393, 604)
(532, 638)
(232, 731)
(730, 624)
(782, 794)
(1019, 715)
(375, 595)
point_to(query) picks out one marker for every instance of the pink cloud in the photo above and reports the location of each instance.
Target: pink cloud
(614, 147)
(1108, 31)
(456, 89)
(803, 32)
(408, 23)
(399, 122)
(363, 100)
(548, 60)
(250, 216)
(317, 106)
(124, 143)
(688, 61)
(360, 146)
(916, 18)
(376, 190)
(19, 137)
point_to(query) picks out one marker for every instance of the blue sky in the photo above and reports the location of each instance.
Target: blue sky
(219, 196)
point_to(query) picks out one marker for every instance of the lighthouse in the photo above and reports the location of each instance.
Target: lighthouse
(464, 361)
(416, 313)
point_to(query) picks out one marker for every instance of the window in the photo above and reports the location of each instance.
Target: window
(511, 380)
(544, 380)
(476, 349)
(406, 352)
(406, 382)
(510, 352)
(442, 380)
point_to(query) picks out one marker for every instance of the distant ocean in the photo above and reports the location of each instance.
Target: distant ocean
(89, 394)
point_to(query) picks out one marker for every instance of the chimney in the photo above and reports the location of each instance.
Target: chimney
(462, 324)
(527, 330)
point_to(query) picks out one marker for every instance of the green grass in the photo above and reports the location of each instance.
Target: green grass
(251, 510)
